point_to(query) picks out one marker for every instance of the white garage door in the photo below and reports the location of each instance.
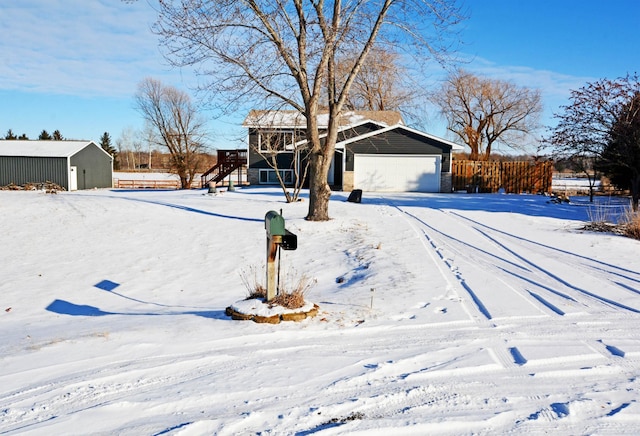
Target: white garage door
(397, 173)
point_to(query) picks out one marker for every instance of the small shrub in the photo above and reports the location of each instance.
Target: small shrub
(292, 290)
(257, 293)
(631, 224)
(601, 219)
(294, 300)
(290, 294)
(254, 287)
(599, 213)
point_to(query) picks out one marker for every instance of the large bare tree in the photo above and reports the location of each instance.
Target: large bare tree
(380, 84)
(482, 111)
(286, 52)
(173, 123)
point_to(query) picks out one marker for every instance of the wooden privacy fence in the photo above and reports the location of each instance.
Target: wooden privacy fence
(490, 176)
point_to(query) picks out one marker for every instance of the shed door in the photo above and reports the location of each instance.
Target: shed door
(397, 173)
(73, 178)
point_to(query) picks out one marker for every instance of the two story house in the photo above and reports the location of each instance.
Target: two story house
(375, 152)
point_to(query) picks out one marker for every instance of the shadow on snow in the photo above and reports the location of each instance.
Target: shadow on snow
(525, 204)
(63, 307)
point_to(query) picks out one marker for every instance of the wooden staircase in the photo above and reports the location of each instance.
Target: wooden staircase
(228, 162)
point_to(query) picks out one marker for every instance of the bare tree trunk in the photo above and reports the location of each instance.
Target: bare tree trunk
(592, 184)
(487, 151)
(319, 192)
(321, 157)
(269, 148)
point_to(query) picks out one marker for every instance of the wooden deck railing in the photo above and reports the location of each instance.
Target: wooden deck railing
(228, 162)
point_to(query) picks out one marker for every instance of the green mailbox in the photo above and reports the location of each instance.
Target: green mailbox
(277, 238)
(276, 232)
(274, 223)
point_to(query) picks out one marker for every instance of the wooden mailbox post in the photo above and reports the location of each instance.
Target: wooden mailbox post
(277, 237)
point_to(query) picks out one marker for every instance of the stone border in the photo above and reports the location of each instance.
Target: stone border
(274, 319)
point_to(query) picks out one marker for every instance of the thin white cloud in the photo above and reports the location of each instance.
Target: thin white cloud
(555, 89)
(553, 85)
(79, 47)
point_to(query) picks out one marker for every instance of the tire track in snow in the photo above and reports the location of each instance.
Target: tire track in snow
(585, 264)
(477, 280)
(437, 258)
(532, 274)
(566, 282)
(512, 351)
(83, 390)
(479, 304)
(527, 271)
(509, 358)
(553, 411)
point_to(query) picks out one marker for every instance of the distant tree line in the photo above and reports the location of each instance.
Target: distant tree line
(12, 136)
(44, 136)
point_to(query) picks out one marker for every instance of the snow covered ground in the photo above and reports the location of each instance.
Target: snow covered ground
(439, 314)
(573, 184)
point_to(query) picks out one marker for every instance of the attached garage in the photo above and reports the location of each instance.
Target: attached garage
(397, 159)
(69, 164)
(397, 173)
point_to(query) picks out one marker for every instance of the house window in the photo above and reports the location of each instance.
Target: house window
(269, 177)
(275, 141)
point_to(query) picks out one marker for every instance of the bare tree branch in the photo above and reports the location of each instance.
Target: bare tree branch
(483, 112)
(174, 124)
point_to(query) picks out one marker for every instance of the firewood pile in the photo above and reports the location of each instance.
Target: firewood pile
(47, 187)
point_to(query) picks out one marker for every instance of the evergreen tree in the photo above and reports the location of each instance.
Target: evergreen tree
(620, 159)
(57, 136)
(105, 143)
(23, 137)
(44, 136)
(10, 135)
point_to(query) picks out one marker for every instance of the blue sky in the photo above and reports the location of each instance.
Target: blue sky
(73, 65)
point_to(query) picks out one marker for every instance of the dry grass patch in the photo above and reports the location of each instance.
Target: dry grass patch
(601, 221)
(291, 292)
(631, 224)
(294, 300)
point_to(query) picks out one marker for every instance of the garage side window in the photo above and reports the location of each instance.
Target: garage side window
(275, 141)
